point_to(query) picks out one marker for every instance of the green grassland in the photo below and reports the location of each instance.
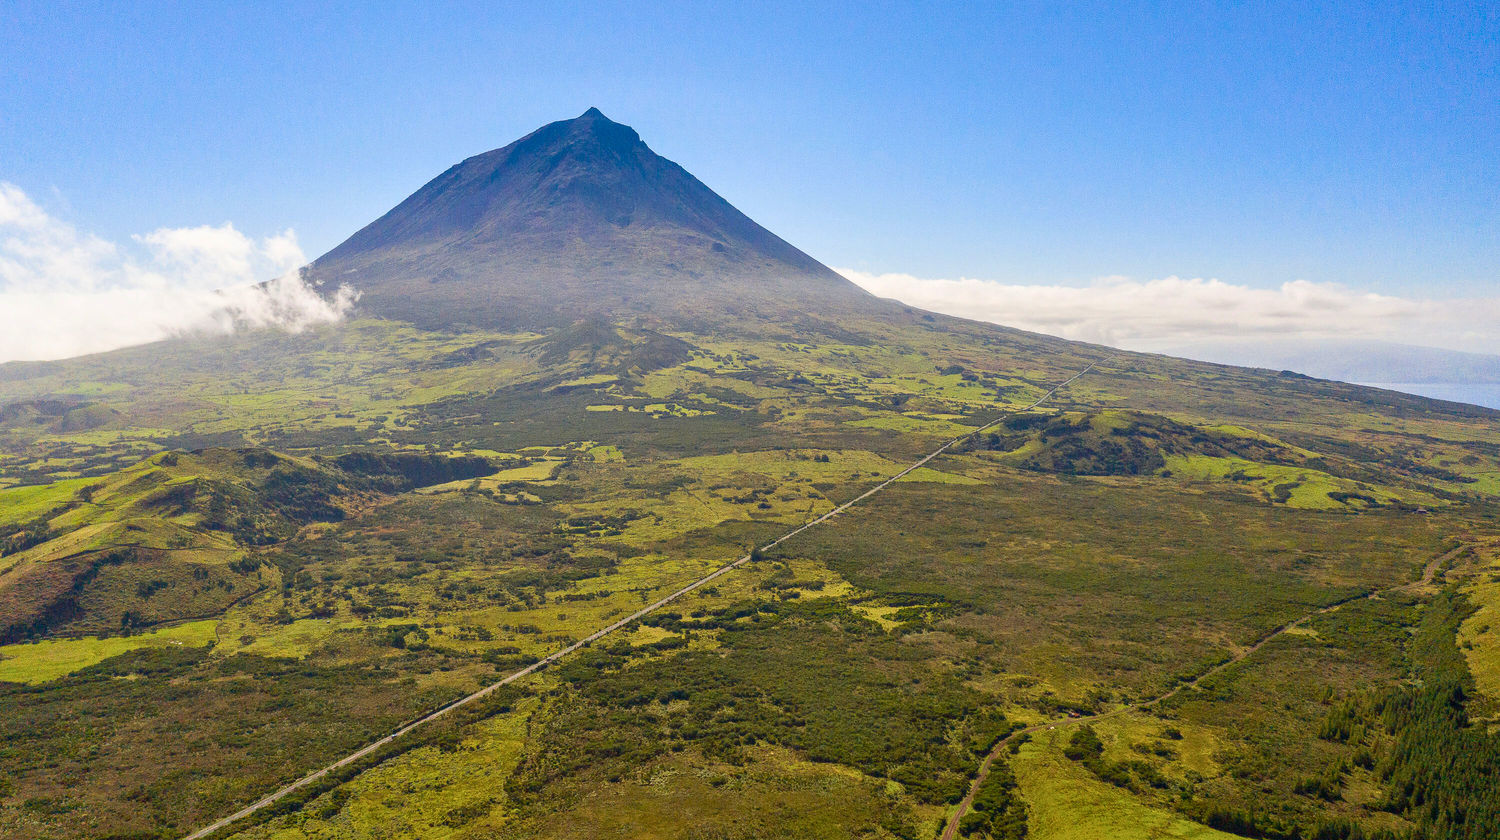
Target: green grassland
(429, 792)
(1069, 803)
(1479, 635)
(272, 549)
(40, 662)
(1293, 486)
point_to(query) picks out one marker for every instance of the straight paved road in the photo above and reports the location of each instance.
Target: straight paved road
(272, 798)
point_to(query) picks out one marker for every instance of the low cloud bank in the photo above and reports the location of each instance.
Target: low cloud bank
(1170, 312)
(65, 293)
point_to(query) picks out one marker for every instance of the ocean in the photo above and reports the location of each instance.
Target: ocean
(1487, 395)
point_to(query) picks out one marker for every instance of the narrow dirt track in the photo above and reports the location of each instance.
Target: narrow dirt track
(272, 798)
(1429, 572)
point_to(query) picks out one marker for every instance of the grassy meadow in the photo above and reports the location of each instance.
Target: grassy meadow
(224, 564)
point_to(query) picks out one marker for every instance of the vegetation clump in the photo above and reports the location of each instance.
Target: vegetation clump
(998, 812)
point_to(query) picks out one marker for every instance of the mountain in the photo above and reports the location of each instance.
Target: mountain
(579, 218)
(1067, 592)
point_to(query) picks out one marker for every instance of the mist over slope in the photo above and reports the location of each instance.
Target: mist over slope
(65, 292)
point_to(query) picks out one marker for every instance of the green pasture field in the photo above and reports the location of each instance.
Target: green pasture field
(40, 662)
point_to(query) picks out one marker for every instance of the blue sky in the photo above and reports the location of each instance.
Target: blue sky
(1260, 144)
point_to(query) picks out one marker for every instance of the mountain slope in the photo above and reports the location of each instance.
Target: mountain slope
(579, 218)
(367, 521)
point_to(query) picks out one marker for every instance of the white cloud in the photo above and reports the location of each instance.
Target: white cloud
(64, 293)
(205, 257)
(1172, 311)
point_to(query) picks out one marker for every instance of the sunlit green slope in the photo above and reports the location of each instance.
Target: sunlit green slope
(393, 517)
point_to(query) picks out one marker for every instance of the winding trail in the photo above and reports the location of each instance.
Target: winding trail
(1429, 572)
(365, 751)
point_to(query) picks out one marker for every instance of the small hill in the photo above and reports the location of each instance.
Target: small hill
(178, 534)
